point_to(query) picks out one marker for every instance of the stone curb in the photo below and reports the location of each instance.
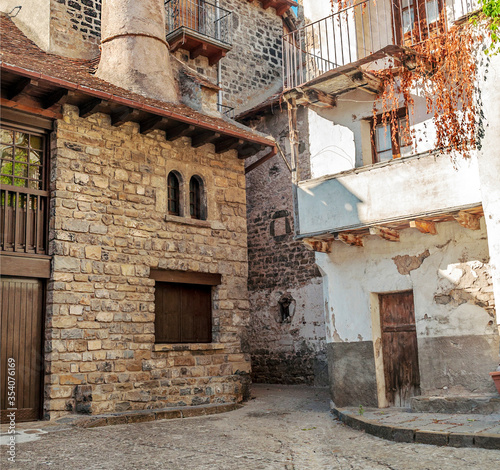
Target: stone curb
(142, 416)
(411, 435)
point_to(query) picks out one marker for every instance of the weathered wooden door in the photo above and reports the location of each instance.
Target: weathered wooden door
(399, 348)
(21, 304)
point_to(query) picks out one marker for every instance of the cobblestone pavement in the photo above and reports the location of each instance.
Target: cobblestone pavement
(282, 428)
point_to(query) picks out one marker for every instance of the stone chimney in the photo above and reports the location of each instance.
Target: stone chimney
(134, 52)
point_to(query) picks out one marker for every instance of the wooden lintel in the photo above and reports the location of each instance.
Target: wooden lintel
(468, 220)
(319, 98)
(201, 49)
(214, 58)
(321, 246)
(350, 239)
(21, 85)
(203, 138)
(227, 144)
(179, 131)
(57, 97)
(124, 115)
(386, 233)
(153, 123)
(90, 107)
(424, 226)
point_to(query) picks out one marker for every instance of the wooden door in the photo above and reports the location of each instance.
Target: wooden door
(21, 326)
(399, 348)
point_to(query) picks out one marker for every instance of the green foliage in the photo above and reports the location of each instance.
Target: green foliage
(491, 10)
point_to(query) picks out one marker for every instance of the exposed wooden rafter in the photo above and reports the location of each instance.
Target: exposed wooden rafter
(203, 138)
(14, 91)
(321, 246)
(90, 107)
(350, 239)
(424, 226)
(467, 220)
(153, 123)
(181, 130)
(123, 115)
(228, 144)
(386, 233)
(57, 97)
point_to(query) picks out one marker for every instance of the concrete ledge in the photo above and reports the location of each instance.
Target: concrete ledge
(142, 416)
(409, 434)
(484, 404)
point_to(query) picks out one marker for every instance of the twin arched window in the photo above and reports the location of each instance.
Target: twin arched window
(196, 196)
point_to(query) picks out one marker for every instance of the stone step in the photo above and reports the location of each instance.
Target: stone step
(477, 404)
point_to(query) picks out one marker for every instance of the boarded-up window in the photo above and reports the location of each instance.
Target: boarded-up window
(183, 313)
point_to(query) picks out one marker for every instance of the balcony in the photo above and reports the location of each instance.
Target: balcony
(332, 56)
(281, 6)
(389, 194)
(199, 27)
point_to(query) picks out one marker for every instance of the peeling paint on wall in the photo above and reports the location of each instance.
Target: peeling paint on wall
(407, 263)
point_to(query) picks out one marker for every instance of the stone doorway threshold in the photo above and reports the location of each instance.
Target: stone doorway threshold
(402, 425)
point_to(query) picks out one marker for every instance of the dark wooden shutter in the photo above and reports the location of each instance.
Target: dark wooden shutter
(183, 313)
(21, 302)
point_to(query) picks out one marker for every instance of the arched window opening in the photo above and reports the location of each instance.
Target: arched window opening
(173, 194)
(196, 198)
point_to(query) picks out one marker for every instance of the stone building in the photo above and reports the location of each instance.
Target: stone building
(405, 237)
(124, 239)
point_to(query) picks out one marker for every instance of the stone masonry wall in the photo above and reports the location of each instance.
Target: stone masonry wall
(284, 349)
(75, 27)
(108, 229)
(253, 65)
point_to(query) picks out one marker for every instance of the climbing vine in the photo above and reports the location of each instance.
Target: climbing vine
(442, 68)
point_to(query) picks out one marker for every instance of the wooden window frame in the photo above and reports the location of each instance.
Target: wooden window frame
(197, 198)
(29, 206)
(401, 113)
(174, 194)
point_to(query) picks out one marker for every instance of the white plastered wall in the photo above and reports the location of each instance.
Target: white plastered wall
(33, 19)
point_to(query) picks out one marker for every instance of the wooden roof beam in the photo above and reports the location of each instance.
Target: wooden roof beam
(152, 123)
(90, 107)
(181, 130)
(350, 239)
(124, 115)
(204, 137)
(468, 220)
(321, 246)
(424, 226)
(386, 233)
(57, 97)
(200, 49)
(227, 143)
(15, 90)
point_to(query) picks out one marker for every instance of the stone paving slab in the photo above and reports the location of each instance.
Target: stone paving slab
(400, 425)
(281, 428)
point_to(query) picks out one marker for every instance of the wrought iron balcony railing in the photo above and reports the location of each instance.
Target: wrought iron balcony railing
(200, 16)
(362, 28)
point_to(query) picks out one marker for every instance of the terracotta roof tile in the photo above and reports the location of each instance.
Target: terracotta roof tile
(19, 51)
